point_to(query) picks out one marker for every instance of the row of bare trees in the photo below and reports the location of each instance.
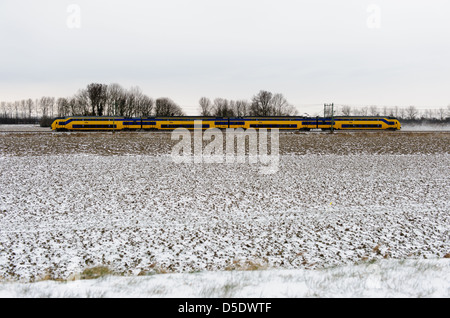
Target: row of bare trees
(114, 100)
(264, 103)
(405, 113)
(27, 111)
(94, 100)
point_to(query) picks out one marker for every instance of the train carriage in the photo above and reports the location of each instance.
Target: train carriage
(283, 123)
(367, 123)
(86, 124)
(171, 123)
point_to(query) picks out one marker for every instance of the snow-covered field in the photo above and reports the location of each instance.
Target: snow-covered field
(71, 202)
(426, 127)
(385, 278)
(30, 128)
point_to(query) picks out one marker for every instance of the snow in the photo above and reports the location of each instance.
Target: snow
(385, 278)
(426, 127)
(141, 211)
(380, 201)
(23, 128)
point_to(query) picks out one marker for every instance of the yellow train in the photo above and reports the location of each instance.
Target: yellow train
(170, 123)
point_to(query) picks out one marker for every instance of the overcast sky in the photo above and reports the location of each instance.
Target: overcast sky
(393, 52)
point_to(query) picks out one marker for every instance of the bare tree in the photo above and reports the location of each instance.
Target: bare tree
(37, 106)
(402, 113)
(390, 112)
(97, 94)
(63, 107)
(9, 109)
(395, 111)
(134, 97)
(261, 104)
(117, 98)
(29, 106)
(411, 112)
(167, 107)
(122, 104)
(81, 104)
(23, 108)
(427, 114)
(47, 106)
(17, 107)
(130, 104)
(241, 108)
(364, 111)
(374, 110)
(346, 110)
(205, 106)
(72, 106)
(281, 107)
(221, 108)
(3, 112)
(267, 104)
(115, 94)
(441, 113)
(146, 105)
(356, 111)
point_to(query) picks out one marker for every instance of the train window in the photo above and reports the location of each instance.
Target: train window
(183, 126)
(272, 126)
(94, 126)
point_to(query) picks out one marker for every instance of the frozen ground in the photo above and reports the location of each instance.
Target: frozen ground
(386, 278)
(30, 128)
(70, 202)
(426, 127)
